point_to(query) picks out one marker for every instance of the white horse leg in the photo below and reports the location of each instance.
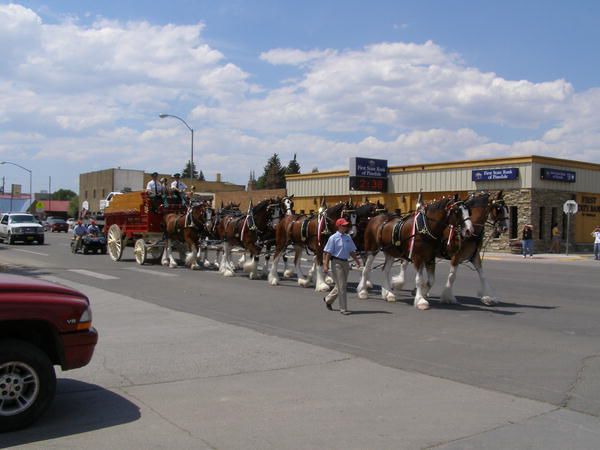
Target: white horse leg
(487, 296)
(265, 268)
(273, 277)
(363, 284)
(225, 261)
(430, 277)
(447, 294)
(242, 262)
(320, 285)
(398, 280)
(421, 286)
(166, 253)
(302, 279)
(386, 288)
(287, 272)
(252, 268)
(192, 258)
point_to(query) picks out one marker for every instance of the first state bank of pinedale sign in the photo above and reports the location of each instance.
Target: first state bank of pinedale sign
(368, 174)
(511, 173)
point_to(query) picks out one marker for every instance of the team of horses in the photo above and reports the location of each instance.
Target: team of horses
(449, 228)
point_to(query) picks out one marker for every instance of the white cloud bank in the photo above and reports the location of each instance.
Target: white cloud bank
(89, 97)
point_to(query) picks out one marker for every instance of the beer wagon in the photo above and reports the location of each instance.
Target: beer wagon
(135, 218)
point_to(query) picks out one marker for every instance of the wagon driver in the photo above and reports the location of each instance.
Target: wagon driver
(155, 191)
(178, 187)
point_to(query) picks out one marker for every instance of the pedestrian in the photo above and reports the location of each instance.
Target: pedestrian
(555, 247)
(527, 240)
(596, 234)
(338, 249)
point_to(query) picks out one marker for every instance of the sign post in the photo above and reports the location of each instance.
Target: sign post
(569, 207)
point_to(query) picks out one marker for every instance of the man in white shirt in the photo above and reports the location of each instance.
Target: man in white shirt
(178, 187)
(154, 188)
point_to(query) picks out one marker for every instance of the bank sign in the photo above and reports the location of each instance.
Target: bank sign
(511, 173)
(557, 175)
(368, 167)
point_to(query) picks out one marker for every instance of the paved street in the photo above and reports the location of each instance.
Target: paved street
(192, 360)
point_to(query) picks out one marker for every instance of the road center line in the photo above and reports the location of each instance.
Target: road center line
(89, 273)
(29, 251)
(152, 272)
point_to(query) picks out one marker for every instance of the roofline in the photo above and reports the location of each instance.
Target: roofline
(460, 165)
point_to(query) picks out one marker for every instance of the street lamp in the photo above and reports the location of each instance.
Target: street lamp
(162, 116)
(27, 170)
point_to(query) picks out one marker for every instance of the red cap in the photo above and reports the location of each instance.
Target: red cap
(341, 222)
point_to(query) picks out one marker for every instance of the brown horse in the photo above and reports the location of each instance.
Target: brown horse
(415, 238)
(185, 229)
(308, 232)
(250, 231)
(481, 207)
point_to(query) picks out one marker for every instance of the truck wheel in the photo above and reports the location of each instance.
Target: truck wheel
(85, 250)
(27, 384)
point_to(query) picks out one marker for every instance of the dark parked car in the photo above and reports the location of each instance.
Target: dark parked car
(41, 325)
(56, 225)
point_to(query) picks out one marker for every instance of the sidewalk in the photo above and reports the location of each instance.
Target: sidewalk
(541, 256)
(166, 379)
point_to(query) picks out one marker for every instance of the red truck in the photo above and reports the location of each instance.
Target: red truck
(41, 325)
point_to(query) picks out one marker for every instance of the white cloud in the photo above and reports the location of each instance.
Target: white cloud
(294, 57)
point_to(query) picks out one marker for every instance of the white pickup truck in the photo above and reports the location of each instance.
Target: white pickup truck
(20, 227)
(104, 203)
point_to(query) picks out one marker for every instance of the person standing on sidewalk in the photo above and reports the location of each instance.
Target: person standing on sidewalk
(596, 234)
(527, 240)
(555, 247)
(338, 249)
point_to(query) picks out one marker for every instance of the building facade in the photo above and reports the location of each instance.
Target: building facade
(535, 189)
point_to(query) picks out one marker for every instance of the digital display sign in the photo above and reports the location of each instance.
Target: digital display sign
(566, 176)
(370, 184)
(511, 173)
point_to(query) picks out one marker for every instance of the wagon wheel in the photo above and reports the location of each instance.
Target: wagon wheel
(115, 242)
(141, 254)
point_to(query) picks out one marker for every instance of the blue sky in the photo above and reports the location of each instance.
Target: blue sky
(410, 82)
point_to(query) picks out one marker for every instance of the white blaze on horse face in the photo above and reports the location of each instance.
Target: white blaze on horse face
(289, 204)
(467, 229)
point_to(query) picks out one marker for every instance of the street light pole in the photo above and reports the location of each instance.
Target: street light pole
(162, 116)
(30, 184)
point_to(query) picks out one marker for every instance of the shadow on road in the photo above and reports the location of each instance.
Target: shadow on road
(77, 408)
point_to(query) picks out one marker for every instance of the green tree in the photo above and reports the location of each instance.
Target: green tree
(293, 166)
(201, 176)
(273, 175)
(63, 194)
(185, 173)
(74, 207)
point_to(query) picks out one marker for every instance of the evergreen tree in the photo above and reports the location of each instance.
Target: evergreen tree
(315, 170)
(201, 176)
(273, 175)
(185, 173)
(293, 166)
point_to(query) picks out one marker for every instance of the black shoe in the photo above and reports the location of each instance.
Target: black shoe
(329, 307)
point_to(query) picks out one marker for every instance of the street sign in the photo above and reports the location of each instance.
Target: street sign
(39, 206)
(570, 207)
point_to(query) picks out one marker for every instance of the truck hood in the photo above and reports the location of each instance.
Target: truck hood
(22, 284)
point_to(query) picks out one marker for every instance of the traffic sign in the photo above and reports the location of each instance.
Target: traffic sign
(570, 207)
(39, 206)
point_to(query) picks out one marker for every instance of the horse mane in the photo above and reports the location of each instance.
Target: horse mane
(332, 210)
(262, 204)
(440, 204)
(478, 200)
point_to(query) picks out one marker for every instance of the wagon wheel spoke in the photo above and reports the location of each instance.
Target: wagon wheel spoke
(115, 242)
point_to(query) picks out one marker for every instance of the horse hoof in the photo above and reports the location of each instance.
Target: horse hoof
(172, 265)
(489, 301)
(390, 298)
(195, 267)
(288, 273)
(322, 288)
(363, 295)
(303, 282)
(424, 305)
(228, 273)
(274, 282)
